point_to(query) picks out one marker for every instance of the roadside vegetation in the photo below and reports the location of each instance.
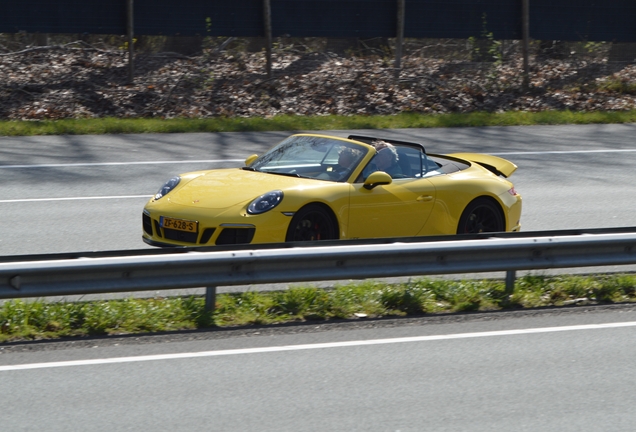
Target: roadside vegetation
(111, 125)
(33, 320)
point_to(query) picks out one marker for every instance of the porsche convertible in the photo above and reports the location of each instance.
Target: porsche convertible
(316, 187)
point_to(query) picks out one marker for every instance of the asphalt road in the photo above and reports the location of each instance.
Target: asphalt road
(569, 370)
(564, 370)
(84, 193)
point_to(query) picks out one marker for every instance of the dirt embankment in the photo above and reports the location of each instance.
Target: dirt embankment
(78, 82)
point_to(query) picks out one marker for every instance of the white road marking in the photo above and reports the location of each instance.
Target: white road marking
(67, 165)
(120, 163)
(228, 160)
(72, 198)
(312, 346)
(564, 152)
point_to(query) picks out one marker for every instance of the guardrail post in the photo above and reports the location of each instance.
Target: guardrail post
(210, 298)
(511, 275)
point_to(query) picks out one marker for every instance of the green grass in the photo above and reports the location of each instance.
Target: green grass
(32, 320)
(291, 123)
(619, 86)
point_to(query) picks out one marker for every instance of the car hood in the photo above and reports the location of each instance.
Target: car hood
(225, 188)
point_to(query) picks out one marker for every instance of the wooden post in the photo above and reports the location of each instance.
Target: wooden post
(267, 18)
(526, 43)
(131, 41)
(399, 38)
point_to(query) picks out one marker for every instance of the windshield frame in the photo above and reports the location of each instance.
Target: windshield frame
(312, 156)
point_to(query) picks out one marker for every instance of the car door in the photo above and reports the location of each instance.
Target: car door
(399, 209)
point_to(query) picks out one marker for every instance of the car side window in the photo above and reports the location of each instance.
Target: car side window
(407, 163)
(430, 167)
(410, 161)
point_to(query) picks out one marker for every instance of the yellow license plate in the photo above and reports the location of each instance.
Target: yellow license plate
(179, 224)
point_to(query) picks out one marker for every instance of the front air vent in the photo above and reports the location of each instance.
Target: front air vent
(147, 224)
(230, 236)
(207, 235)
(182, 236)
(157, 229)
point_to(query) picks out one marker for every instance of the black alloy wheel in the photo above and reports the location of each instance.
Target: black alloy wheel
(481, 215)
(311, 223)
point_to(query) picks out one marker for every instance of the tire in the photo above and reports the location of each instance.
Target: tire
(311, 223)
(481, 215)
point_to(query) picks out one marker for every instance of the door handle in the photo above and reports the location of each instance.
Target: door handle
(424, 198)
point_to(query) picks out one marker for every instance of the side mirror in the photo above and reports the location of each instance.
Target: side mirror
(250, 159)
(376, 179)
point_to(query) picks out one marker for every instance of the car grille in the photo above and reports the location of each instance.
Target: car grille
(207, 234)
(235, 236)
(147, 224)
(157, 229)
(182, 236)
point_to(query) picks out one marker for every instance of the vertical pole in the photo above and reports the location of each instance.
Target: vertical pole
(131, 41)
(399, 37)
(210, 298)
(267, 19)
(526, 43)
(511, 275)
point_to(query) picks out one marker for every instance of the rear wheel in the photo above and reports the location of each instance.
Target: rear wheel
(312, 222)
(481, 215)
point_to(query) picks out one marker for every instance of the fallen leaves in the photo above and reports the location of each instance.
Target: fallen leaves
(77, 83)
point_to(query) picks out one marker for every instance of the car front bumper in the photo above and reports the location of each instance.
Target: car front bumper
(222, 229)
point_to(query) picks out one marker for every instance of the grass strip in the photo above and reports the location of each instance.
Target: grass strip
(293, 122)
(33, 320)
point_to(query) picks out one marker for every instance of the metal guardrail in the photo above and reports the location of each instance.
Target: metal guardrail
(274, 264)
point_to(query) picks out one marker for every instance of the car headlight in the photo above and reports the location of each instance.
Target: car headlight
(265, 202)
(167, 187)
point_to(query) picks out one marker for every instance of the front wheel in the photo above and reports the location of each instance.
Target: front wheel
(481, 215)
(311, 223)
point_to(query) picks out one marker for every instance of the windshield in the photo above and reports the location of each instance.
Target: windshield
(312, 157)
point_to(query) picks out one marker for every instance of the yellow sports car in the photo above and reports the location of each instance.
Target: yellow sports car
(317, 187)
